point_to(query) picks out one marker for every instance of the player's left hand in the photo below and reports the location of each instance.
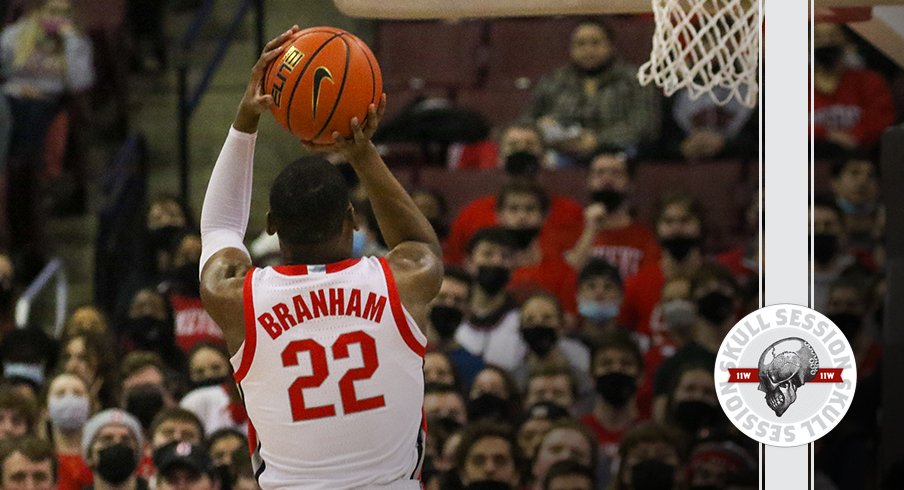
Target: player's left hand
(354, 148)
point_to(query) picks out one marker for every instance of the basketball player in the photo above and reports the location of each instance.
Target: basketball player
(326, 349)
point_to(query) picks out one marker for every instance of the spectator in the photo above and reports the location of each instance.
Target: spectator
(167, 220)
(552, 383)
(176, 424)
(69, 404)
(518, 137)
(150, 325)
(692, 404)
(851, 106)
(494, 396)
(90, 357)
(223, 444)
(567, 440)
(855, 185)
(600, 294)
(208, 366)
(849, 298)
(652, 456)
(569, 475)
(433, 205)
(610, 231)
(743, 260)
(522, 209)
(18, 414)
(522, 164)
(679, 229)
(44, 57)
(111, 443)
(27, 355)
(144, 386)
(539, 418)
(215, 398)
(487, 455)
(679, 313)
(438, 369)
(492, 327)
(717, 464)
(593, 101)
(543, 341)
(27, 464)
(86, 319)
(447, 312)
(183, 465)
(445, 406)
(830, 257)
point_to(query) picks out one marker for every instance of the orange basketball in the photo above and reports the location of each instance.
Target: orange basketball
(324, 77)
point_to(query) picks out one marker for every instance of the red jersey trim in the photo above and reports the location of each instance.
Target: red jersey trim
(302, 269)
(341, 265)
(395, 303)
(250, 344)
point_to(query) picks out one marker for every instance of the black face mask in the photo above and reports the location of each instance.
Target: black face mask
(715, 307)
(616, 388)
(522, 237)
(610, 198)
(447, 425)
(652, 474)
(849, 323)
(445, 319)
(540, 339)
(488, 485)
(164, 238)
(679, 246)
(492, 278)
(144, 402)
(828, 56)
(825, 247)
(149, 333)
(116, 463)
(693, 415)
(204, 383)
(521, 163)
(185, 280)
(487, 407)
(225, 474)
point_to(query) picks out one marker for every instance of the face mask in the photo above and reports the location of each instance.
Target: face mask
(164, 238)
(487, 406)
(849, 323)
(610, 198)
(715, 307)
(693, 415)
(68, 412)
(679, 315)
(204, 383)
(540, 339)
(116, 463)
(522, 237)
(598, 311)
(149, 333)
(828, 56)
(679, 246)
(144, 402)
(616, 388)
(651, 474)
(856, 209)
(226, 477)
(825, 247)
(488, 485)
(445, 319)
(492, 278)
(521, 163)
(447, 425)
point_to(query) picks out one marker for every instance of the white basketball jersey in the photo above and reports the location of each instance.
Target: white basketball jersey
(331, 372)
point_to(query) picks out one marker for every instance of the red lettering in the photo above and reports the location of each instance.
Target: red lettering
(301, 309)
(354, 303)
(337, 301)
(285, 318)
(318, 303)
(373, 309)
(266, 320)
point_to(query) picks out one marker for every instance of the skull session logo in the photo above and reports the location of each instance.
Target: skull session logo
(785, 375)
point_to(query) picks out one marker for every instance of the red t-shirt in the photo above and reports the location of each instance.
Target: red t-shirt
(553, 275)
(861, 105)
(563, 225)
(641, 298)
(193, 323)
(73, 473)
(629, 248)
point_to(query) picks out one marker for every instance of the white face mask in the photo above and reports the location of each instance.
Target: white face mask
(68, 412)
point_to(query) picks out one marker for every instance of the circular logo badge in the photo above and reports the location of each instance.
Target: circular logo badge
(785, 375)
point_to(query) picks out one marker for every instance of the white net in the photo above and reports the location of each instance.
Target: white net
(706, 47)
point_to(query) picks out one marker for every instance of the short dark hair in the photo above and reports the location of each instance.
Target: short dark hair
(521, 187)
(600, 268)
(180, 414)
(629, 156)
(491, 234)
(620, 341)
(477, 431)
(839, 164)
(714, 272)
(653, 432)
(551, 369)
(308, 201)
(683, 198)
(568, 467)
(34, 449)
(458, 274)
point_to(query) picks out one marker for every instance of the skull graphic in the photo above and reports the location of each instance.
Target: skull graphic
(784, 367)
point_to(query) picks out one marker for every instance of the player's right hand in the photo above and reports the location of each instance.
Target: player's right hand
(254, 100)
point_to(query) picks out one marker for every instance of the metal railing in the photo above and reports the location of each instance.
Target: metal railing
(53, 269)
(188, 102)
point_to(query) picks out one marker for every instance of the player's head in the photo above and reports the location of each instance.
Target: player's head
(310, 207)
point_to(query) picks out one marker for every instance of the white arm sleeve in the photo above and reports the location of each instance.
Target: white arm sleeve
(227, 204)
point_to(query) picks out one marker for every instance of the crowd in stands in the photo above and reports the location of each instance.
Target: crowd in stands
(571, 345)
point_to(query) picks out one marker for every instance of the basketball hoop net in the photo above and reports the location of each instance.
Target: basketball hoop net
(706, 46)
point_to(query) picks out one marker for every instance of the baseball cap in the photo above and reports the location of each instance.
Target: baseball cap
(182, 454)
